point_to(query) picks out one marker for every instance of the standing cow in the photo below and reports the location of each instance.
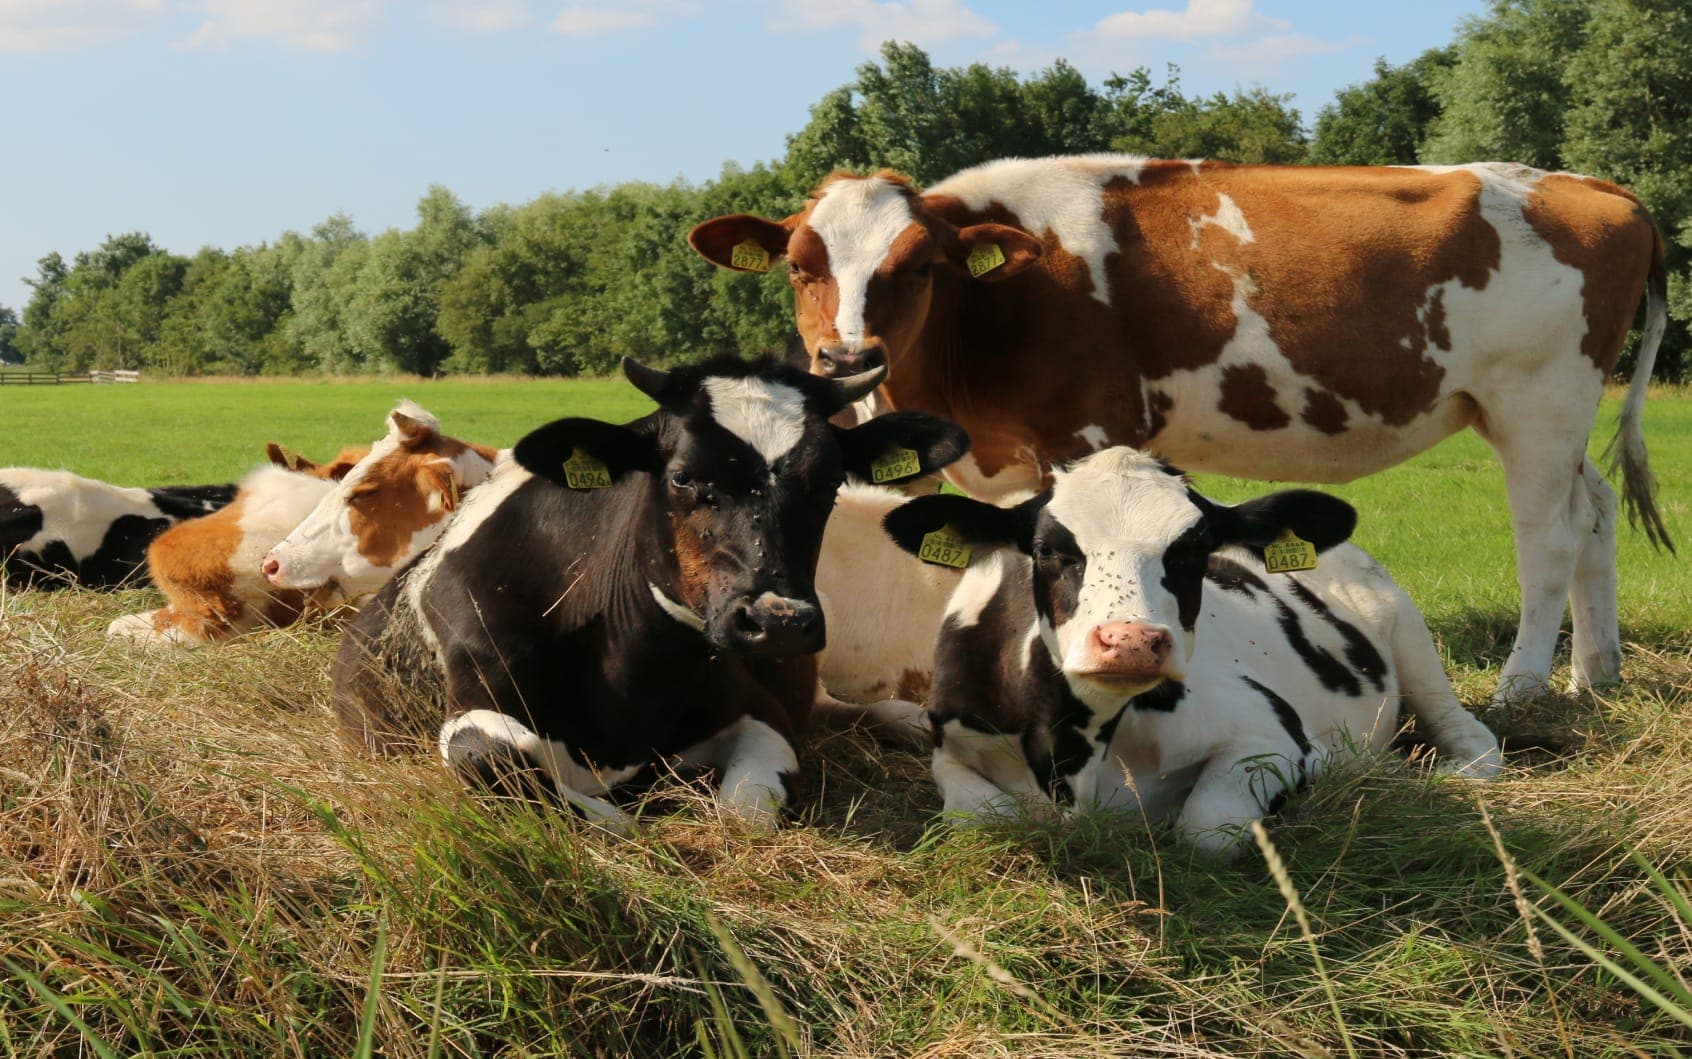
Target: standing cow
(1126, 642)
(619, 596)
(1313, 324)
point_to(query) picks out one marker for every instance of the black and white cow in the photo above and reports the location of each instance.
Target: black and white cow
(1130, 649)
(615, 597)
(58, 528)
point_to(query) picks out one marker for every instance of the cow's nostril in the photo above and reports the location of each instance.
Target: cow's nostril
(746, 625)
(270, 569)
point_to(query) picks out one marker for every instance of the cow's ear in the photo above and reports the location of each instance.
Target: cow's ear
(882, 450)
(740, 241)
(340, 467)
(285, 457)
(1321, 519)
(992, 252)
(414, 431)
(974, 521)
(591, 447)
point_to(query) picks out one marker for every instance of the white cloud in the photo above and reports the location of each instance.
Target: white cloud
(310, 25)
(1261, 57)
(1200, 18)
(57, 25)
(479, 16)
(590, 18)
(924, 22)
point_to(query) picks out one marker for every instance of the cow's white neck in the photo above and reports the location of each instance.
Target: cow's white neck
(858, 220)
(768, 416)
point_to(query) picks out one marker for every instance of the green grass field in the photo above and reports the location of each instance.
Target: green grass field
(191, 864)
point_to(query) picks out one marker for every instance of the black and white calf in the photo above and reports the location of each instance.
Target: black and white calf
(58, 528)
(615, 597)
(1131, 650)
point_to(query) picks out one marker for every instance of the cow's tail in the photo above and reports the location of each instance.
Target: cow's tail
(1626, 451)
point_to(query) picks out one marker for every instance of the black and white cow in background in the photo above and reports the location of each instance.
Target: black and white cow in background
(58, 528)
(662, 611)
(1130, 650)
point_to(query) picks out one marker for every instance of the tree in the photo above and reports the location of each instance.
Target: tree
(9, 351)
(324, 272)
(1385, 120)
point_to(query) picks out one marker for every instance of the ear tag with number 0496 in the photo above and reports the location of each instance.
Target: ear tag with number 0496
(750, 256)
(944, 547)
(586, 471)
(1289, 552)
(984, 259)
(894, 464)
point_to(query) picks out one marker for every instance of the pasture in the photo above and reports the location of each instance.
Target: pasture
(190, 863)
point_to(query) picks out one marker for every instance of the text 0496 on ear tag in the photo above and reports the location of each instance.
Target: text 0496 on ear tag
(584, 471)
(894, 464)
(750, 256)
(985, 258)
(1289, 552)
(944, 547)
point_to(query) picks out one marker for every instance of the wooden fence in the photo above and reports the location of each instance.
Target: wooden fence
(58, 378)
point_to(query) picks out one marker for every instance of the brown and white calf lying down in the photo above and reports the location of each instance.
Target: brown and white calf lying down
(1119, 641)
(59, 529)
(619, 597)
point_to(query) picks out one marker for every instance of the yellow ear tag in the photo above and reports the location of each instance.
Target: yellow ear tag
(894, 464)
(944, 547)
(750, 256)
(1289, 552)
(584, 471)
(984, 259)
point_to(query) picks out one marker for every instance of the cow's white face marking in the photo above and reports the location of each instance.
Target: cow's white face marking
(680, 612)
(1228, 218)
(858, 220)
(1123, 510)
(768, 416)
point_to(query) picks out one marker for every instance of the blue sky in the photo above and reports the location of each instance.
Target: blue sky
(226, 122)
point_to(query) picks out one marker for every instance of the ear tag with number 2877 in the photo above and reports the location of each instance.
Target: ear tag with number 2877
(984, 259)
(945, 547)
(1289, 552)
(894, 464)
(750, 256)
(586, 471)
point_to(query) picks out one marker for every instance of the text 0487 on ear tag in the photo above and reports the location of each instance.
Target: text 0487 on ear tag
(894, 464)
(1289, 552)
(584, 471)
(750, 256)
(985, 258)
(944, 547)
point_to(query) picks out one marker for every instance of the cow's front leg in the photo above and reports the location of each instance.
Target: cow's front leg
(1240, 784)
(494, 752)
(985, 775)
(756, 767)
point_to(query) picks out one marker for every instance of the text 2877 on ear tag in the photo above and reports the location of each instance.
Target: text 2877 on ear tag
(750, 256)
(894, 464)
(585, 471)
(1288, 553)
(944, 547)
(984, 259)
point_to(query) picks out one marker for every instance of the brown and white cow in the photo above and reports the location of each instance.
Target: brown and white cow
(1312, 324)
(384, 512)
(208, 568)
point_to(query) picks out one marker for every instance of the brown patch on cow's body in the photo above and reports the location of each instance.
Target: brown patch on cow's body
(1248, 397)
(192, 564)
(1324, 411)
(914, 685)
(1591, 233)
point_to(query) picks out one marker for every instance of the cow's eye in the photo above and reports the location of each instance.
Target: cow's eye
(681, 480)
(792, 269)
(1044, 552)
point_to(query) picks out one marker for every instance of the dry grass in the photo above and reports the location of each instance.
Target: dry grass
(190, 863)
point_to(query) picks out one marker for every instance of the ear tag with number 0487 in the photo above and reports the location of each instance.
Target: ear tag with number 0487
(1289, 552)
(750, 256)
(894, 464)
(984, 259)
(944, 547)
(585, 471)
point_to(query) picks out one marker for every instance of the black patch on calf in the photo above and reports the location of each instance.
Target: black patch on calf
(191, 501)
(1161, 699)
(1184, 569)
(1328, 669)
(123, 551)
(1232, 577)
(501, 770)
(1358, 650)
(1285, 714)
(1059, 570)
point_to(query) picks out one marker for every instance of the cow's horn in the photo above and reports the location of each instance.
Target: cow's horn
(649, 381)
(853, 387)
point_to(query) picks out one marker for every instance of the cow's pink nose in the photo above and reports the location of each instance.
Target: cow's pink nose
(270, 568)
(1131, 648)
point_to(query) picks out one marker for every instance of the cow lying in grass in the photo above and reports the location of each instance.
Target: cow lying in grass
(389, 507)
(208, 568)
(59, 529)
(618, 597)
(1131, 650)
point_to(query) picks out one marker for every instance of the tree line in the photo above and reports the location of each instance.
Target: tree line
(568, 283)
